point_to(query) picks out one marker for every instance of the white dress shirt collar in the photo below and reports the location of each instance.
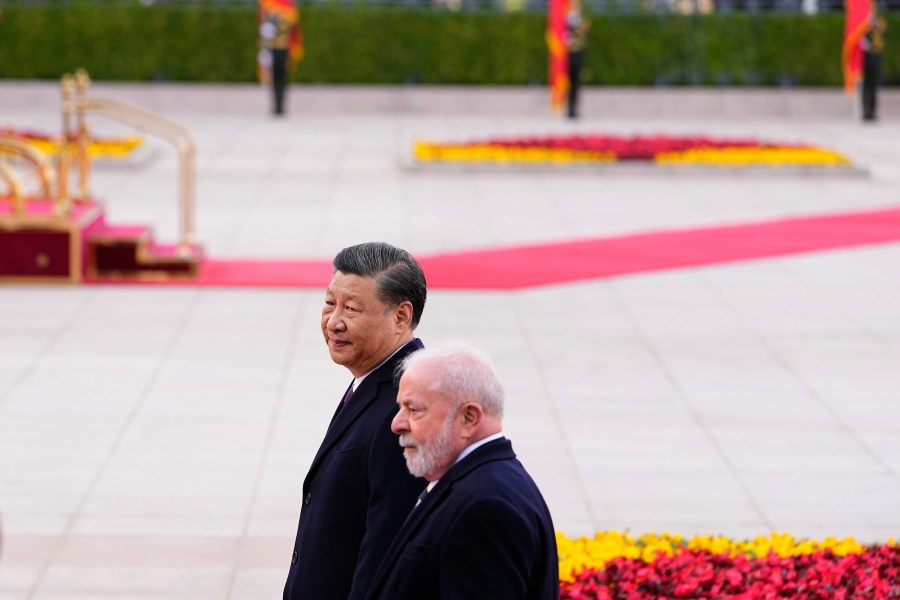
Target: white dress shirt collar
(467, 451)
(359, 380)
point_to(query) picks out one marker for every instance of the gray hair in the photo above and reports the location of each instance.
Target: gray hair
(399, 278)
(464, 373)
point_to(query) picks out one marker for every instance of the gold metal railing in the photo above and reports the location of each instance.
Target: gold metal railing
(75, 108)
(15, 188)
(15, 147)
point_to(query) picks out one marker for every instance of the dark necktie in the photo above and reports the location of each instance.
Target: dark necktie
(421, 497)
(343, 403)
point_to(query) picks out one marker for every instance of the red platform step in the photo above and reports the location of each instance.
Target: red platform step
(40, 245)
(129, 251)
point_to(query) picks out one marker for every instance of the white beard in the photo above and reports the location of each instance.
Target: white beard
(428, 458)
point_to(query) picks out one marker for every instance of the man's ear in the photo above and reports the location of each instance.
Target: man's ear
(403, 314)
(472, 413)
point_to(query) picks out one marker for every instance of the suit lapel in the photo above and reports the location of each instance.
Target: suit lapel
(499, 449)
(364, 395)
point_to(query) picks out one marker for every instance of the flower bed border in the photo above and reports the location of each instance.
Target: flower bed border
(669, 152)
(614, 565)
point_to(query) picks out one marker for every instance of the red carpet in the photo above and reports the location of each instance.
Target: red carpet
(543, 264)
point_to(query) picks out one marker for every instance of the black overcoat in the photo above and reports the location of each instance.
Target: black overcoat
(484, 531)
(356, 495)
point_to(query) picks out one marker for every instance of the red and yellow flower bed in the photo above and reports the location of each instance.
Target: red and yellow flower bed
(111, 147)
(665, 150)
(615, 565)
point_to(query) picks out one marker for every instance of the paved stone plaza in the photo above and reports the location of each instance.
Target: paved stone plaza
(153, 440)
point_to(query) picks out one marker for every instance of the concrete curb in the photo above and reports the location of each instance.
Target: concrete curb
(700, 103)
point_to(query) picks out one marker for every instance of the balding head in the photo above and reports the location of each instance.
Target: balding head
(449, 398)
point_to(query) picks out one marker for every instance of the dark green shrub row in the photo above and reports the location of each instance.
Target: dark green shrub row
(394, 45)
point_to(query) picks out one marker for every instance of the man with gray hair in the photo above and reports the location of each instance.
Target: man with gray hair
(358, 492)
(482, 528)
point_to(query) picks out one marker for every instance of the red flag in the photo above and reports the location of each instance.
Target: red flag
(856, 24)
(559, 56)
(283, 14)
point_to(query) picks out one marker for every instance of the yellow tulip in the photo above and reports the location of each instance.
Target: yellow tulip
(593, 553)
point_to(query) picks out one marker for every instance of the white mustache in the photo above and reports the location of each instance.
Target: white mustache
(408, 442)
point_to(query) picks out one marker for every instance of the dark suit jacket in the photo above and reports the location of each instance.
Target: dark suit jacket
(484, 531)
(356, 495)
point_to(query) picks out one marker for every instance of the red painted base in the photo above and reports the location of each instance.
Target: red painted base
(40, 245)
(129, 252)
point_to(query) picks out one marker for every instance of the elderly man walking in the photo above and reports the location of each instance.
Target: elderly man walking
(358, 492)
(481, 529)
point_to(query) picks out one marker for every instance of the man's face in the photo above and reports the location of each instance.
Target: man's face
(429, 432)
(359, 329)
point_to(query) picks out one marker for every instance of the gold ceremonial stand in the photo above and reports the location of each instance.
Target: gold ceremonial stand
(46, 236)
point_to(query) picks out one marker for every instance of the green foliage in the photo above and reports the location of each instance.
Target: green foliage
(371, 45)
(129, 42)
(393, 45)
(718, 49)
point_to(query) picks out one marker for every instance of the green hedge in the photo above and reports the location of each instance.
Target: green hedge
(395, 45)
